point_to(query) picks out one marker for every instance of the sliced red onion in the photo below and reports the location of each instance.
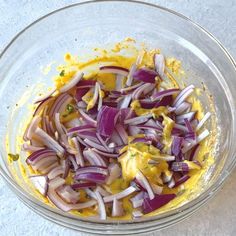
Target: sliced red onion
(105, 154)
(56, 172)
(46, 170)
(137, 214)
(203, 120)
(117, 208)
(45, 96)
(159, 62)
(145, 184)
(94, 158)
(60, 128)
(80, 92)
(73, 162)
(78, 155)
(86, 83)
(75, 80)
(101, 140)
(142, 90)
(42, 106)
(56, 183)
(80, 128)
(40, 154)
(114, 173)
(120, 195)
(146, 140)
(138, 120)
(61, 204)
(185, 93)
(101, 206)
(145, 75)
(194, 153)
(125, 102)
(131, 88)
(60, 104)
(183, 107)
(68, 194)
(199, 138)
(181, 180)
(106, 120)
(149, 127)
(92, 177)
(181, 127)
(133, 130)
(189, 116)
(49, 141)
(164, 93)
(96, 145)
(92, 169)
(119, 82)
(32, 127)
(122, 133)
(100, 99)
(176, 145)
(87, 118)
(129, 81)
(40, 182)
(66, 167)
(137, 200)
(102, 191)
(30, 148)
(180, 166)
(115, 70)
(158, 201)
(83, 185)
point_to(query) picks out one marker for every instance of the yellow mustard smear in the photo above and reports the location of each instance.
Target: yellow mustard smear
(138, 154)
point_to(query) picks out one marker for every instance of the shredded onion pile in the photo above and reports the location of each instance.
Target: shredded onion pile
(81, 132)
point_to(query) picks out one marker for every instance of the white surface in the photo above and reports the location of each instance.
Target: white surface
(218, 217)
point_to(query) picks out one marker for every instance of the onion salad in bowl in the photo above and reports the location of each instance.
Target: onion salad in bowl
(120, 142)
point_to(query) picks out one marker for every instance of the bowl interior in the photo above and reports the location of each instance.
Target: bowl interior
(79, 29)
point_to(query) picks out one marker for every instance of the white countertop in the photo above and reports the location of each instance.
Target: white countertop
(218, 217)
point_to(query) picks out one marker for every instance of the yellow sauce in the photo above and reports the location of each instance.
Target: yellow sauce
(138, 155)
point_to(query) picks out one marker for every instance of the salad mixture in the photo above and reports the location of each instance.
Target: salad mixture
(120, 141)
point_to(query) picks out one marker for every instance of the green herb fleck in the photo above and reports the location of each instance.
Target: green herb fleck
(70, 108)
(13, 157)
(62, 73)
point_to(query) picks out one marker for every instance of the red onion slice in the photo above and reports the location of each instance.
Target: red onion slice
(56, 183)
(145, 75)
(32, 127)
(58, 202)
(56, 172)
(138, 120)
(75, 80)
(40, 182)
(117, 208)
(158, 201)
(203, 120)
(183, 107)
(114, 173)
(137, 214)
(92, 169)
(68, 194)
(94, 158)
(92, 177)
(78, 155)
(114, 70)
(145, 184)
(87, 118)
(83, 185)
(137, 200)
(45, 96)
(101, 206)
(185, 93)
(159, 62)
(165, 93)
(120, 195)
(49, 141)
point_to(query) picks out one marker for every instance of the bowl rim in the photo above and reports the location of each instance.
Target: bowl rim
(188, 208)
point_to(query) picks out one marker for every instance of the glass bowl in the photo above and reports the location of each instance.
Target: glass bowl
(79, 28)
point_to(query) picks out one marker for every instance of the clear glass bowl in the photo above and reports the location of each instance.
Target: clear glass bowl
(78, 29)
